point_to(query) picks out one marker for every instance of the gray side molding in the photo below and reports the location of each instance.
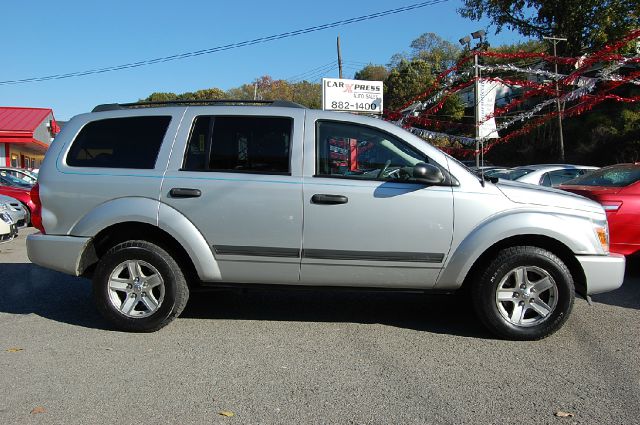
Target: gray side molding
(146, 210)
(571, 233)
(187, 235)
(121, 210)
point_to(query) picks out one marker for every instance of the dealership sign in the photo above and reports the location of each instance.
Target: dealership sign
(352, 95)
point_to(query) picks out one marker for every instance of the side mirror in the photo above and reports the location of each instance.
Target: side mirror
(427, 173)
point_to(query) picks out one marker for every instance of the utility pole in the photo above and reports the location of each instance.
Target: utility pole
(339, 59)
(555, 41)
(476, 109)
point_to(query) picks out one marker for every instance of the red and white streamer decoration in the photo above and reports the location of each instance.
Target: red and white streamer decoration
(574, 87)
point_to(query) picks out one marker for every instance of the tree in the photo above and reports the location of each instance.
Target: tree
(435, 50)
(372, 72)
(408, 80)
(160, 97)
(439, 53)
(587, 24)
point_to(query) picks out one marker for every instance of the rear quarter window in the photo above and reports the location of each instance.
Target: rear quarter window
(132, 142)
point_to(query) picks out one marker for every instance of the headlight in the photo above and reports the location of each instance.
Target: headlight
(5, 217)
(601, 229)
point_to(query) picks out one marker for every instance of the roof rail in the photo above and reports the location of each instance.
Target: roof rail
(200, 102)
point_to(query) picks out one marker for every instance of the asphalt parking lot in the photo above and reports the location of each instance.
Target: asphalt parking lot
(306, 357)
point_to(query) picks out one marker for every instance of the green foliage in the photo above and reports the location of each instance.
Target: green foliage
(372, 72)
(435, 50)
(410, 79)
(439, 53)
(406, 81)
(587, 24)
(264, 88)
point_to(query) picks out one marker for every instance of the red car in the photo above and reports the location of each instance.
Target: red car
(617, 188)
(22, 194)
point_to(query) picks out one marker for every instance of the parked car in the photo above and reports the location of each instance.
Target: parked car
(15, 210)
(22, 194)
(489, 171)
(20, 173)
(617, 188)
(154, 202)
(8, 229)
(9, 180)
(549, 175)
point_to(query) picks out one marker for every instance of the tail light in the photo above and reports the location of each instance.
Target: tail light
(36, 214)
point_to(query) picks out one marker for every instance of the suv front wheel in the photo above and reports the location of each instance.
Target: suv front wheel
(138, 286)
(526, 293)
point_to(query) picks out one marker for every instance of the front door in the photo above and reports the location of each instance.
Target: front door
(238, 179)
(365, 223)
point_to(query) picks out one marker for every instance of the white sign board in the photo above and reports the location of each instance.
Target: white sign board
(487, 95)
(352, 95)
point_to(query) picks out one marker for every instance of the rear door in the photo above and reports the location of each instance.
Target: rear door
(237, 176)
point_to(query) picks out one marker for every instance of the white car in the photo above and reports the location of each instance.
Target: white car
(16, 210)
(549, 175)
(8, 229)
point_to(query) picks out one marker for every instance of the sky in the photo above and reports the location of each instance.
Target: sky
(43, 38)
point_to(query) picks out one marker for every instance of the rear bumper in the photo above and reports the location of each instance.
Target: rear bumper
(603, 273)
(61, 253)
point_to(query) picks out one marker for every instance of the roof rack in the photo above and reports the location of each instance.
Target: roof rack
(120, 106)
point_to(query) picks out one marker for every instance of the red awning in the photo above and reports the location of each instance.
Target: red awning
(38, 145)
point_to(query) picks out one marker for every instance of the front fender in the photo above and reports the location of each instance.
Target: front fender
(574, 232)
(150, 211)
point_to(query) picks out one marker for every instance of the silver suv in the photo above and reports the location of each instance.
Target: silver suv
(152, 202)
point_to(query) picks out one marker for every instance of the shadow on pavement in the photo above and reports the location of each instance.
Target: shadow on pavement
(628, 296)
(30, 289)
(444, 314)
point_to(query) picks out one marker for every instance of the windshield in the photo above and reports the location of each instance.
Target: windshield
(616, 176)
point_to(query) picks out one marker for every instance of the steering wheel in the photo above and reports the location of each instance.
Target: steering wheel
(386, 165)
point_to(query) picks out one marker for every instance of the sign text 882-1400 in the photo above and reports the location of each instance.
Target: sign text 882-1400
(354, 106)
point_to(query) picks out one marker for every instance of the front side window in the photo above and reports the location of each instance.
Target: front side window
(239, 144)
(355, 151)
(132, 142)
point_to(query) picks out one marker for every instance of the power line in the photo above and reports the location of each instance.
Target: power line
(227, 46)
(311, 71)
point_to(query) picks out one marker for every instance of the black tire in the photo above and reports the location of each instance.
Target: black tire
(518, 264)
(171, 295)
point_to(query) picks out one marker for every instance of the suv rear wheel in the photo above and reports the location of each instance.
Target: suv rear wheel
(138, 286)
(526, 293)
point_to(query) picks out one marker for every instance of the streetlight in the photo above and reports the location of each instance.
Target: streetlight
(466, 40)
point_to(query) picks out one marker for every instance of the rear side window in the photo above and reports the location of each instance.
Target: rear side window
(132, 142)
(239, 144)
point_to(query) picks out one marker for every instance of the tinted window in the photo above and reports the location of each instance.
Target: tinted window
(560, 176)
(119, 143)
(239, 144)
(348, 150)
(615, 176)
(545, 180)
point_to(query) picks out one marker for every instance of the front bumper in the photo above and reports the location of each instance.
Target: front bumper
(13, 232)
(61, 253)
(603, 273)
